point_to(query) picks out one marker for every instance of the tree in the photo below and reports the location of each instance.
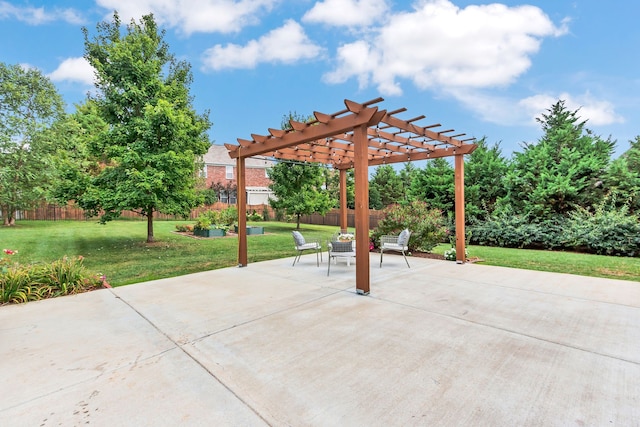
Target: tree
(29, 105)
(385, 187)
(332, 185)
(435, 185)
(563, 170)
(407, 174)
(74, 162)
(153, 137)
(484, 172)
(299, 189)
(623, 178)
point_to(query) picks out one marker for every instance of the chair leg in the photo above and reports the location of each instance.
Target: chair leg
(328, 264)
(295, 258)
(317, 261)
(381, 251)
(405, 259)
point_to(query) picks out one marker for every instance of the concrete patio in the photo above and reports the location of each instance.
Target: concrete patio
(271, 344)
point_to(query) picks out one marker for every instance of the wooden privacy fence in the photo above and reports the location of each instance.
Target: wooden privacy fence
(48, 212)
(333, 218)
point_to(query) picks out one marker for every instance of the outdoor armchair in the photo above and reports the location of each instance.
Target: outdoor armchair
(397, 243)
(301, 245)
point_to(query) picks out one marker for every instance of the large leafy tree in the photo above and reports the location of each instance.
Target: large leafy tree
(434, 184)
(563, 170)
(385, 187)
(29, 106)
(75, 164)
(484, 173)
(299, 189)
(153, 137)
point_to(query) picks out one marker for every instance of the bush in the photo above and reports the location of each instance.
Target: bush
(33, 282)
(607, 231)
(254, 216)
(427, 225)
(510, 230)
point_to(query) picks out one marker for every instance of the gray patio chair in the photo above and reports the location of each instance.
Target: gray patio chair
(302, 245)
(340, 249)
(397, 243)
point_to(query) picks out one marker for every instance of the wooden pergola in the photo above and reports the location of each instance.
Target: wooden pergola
(356, 137)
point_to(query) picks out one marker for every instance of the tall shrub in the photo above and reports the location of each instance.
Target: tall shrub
(427, 225)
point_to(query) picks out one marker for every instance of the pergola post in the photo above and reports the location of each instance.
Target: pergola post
(242, 212)
(361, 172)
(343, 199)
(459, 201)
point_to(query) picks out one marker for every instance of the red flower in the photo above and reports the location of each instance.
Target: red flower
(9, 252)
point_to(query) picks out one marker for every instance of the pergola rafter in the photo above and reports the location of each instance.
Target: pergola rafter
(356, 137)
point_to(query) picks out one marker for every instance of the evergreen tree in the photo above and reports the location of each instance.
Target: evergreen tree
(385, 187)
(484, 172)
(435, 185)
(622, 180)
(407, 174)
(562, 171)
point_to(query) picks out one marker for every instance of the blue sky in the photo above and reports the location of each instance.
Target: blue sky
(482, 68)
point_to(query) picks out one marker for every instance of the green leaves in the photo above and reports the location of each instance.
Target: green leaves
(298, 189)
(153, 138)
(29, 107)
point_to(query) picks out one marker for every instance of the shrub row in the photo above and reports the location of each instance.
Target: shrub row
(611, 231)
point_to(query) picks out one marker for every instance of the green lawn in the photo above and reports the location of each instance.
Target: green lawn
(612, 267)
(119, 251)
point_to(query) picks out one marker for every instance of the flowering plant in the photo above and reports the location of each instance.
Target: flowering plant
(346, 237)
(4, 262)
(450, 254)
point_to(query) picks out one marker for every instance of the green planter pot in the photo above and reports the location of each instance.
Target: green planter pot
(214, 232)
(254, 229)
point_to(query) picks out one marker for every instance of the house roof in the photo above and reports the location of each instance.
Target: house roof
(218, 155)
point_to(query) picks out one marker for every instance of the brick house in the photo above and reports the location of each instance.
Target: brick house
(221, 174)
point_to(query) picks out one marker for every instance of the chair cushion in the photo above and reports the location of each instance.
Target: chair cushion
(299, 239)
(403, 238)
(312, 245)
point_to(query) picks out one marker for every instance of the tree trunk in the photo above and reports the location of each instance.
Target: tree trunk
(150, 238)
(9, 216)
(298, 222)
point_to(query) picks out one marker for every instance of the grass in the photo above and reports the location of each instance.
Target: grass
(612, 267)
(119, 251)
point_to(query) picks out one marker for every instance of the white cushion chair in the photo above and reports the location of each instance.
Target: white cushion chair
(397, 243)
(302, 245)
(340, 248)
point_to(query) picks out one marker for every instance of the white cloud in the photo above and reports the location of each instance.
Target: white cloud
(512, 112)
(74, 70)
(193, 16)
(38, 15)
(439, 45)
(287, 44)
(597, 112)
(346, 12)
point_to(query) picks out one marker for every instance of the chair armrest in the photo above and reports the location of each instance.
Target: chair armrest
(388, 239)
